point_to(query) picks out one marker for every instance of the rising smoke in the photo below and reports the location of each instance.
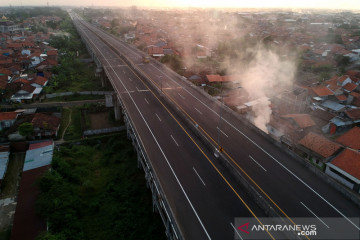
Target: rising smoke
(264, 76)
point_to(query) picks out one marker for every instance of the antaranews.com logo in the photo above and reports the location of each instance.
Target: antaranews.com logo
(299, 228)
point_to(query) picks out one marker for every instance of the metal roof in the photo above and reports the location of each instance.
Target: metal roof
(4, 159)
(38, 157)
(332, 105)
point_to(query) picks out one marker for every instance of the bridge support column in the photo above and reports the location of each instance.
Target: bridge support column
(117, 109)
(100, 74)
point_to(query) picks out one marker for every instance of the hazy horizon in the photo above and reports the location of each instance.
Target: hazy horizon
(307, 4)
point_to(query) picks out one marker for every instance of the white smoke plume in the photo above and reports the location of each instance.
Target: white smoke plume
(266, 75)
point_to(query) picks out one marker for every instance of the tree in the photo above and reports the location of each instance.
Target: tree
(26, 129)
(342, 61)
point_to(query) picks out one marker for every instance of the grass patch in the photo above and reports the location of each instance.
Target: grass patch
(74, 131)
(75, 97)
(5, 235)
(65, 117)
(96, 191)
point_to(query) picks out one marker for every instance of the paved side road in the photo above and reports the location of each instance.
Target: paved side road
(55, 104)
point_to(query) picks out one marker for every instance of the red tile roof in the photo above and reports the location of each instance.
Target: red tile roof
(6, 71)
(302, 120)
(214, 78)
(319, 144)
(28, 88)
(350, 87)
(351, 138)
(355, 94)
(341, 97)
(40, 80)
(45, 121)
(322, 91)
(342, 78)
(22, 80)
(7, 116)
(354, 114)
(155, 50)
(40, 144)
(52, 53)
(349, 161)
(3, 84)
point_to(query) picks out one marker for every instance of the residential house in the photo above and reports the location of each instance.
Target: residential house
(46, 65)
(354, 115)
(45, 125)
(7, 119)
(333, 106)
(39, 82)
(346, 169)
(349, 87)
(351, 139)
(343, 80)
(322, 119)
(318, 149)
(52, 54)
(26, 93)
(155, 51)
(320, 94)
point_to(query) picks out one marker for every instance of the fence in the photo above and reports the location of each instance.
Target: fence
(53, 95)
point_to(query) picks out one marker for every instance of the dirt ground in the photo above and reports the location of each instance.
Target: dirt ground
(100, 120)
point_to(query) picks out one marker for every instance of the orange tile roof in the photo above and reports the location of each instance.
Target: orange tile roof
(350, 138)
(350, 86)
(342, 78)
(214, 78)
(341, 97)
(319, 144)
(322, 91)
(40, 80)
(354, 114)
(7, 115)
(349, 161)
(302, 120)
(52, 53)
(22, 80)
(355, 94)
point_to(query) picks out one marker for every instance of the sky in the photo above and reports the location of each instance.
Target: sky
(328, 4)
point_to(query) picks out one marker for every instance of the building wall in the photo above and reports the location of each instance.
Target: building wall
(338, 177)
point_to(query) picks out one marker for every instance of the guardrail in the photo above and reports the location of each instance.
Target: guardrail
(160, 202)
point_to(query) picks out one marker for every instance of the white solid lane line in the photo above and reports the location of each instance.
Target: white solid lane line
(174, 140)
(314, 214)
(199, 176)
(257, 163)
(237, 232)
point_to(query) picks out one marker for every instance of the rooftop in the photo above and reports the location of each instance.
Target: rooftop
(302, 120)
(322, 91)
(349, 161)
(7, 116)
(38, 155)
(320, 144)
(350, 138)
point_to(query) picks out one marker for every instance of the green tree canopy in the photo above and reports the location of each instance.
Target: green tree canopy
(26, 129)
